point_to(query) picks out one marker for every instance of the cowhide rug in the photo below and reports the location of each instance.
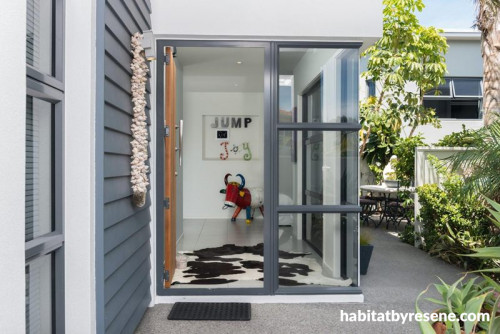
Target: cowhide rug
(230, 263)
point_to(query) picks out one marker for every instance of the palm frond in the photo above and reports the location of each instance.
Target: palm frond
(480, 165)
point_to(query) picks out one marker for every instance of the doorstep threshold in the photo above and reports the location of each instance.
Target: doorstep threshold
(275, 299)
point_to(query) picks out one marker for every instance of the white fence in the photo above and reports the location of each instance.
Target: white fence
(425, 173)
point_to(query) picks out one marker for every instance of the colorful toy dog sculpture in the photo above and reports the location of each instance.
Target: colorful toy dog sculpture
(242, 198)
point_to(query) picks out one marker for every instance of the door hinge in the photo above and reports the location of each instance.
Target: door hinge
(166, 275)
(166, 57)
(167, 131)
(166, 203)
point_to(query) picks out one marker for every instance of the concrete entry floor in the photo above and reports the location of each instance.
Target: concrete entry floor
(398, 273)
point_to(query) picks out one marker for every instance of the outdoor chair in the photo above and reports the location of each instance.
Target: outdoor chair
(368, 208)
(395, 211)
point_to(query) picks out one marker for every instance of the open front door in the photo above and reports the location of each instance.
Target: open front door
(170, 167)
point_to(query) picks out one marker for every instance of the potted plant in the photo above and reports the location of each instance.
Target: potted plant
(391, 180)
(365, 250)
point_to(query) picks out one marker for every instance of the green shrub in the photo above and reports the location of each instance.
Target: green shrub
(408, 234)
(453, 223)
(464, 138)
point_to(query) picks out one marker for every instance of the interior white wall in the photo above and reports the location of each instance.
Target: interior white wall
(179, 106)
(310, 67)
(80, 55)
(331, 167)
(332, 19)
(12, 150)
(326, 62)
(203, 179)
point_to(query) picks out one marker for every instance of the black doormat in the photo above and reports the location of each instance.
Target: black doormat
(211, 311)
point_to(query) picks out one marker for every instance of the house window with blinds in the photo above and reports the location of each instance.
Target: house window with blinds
(39, 194)
(44, 216)
(39, 43)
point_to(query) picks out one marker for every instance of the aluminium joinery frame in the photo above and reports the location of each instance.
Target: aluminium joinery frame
(271, 129)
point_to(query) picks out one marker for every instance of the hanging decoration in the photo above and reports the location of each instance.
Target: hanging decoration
(139, 143)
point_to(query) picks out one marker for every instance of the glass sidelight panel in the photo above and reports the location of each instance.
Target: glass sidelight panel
(318, 168)
(318, 85)
(318, 249)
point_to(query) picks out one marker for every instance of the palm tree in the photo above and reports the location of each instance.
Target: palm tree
(488, 22)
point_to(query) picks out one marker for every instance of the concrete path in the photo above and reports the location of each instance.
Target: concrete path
(398, 273)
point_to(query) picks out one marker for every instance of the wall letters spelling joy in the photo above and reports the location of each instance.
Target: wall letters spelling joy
(231, 137)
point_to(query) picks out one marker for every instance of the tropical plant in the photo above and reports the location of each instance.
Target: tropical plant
(364, 237)
(458, 298)
(406, 53)
(481, 163)
(464, 138)
(491, 252)
(488, 22)
(405, 164)
(470, 297)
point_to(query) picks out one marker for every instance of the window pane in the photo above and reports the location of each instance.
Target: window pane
(442, 107)
(467, 87)
(319, 249)
(39, 43)
(318, 168)
(39, 295)
(327, 76)
(38, 198)
(465, 109)
(441, 90)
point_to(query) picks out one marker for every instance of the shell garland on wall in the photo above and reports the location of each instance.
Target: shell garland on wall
(139, 169)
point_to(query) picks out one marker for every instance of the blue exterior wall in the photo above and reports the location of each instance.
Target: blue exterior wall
(122, 230)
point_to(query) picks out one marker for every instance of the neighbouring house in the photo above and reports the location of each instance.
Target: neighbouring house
(264, 91)
(460, 98)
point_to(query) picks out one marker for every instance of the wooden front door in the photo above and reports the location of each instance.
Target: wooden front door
(170, 167)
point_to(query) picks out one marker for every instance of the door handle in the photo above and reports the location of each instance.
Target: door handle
(180, 127)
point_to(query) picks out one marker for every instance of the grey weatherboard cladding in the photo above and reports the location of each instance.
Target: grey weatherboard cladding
(122, 230)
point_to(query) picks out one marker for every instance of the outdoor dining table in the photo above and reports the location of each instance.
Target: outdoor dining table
(383, 189)
(386, 192)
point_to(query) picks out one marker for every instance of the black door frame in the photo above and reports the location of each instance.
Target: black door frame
(271, 130)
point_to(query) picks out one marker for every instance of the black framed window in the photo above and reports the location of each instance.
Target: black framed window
(44, 237)
(459, 98)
